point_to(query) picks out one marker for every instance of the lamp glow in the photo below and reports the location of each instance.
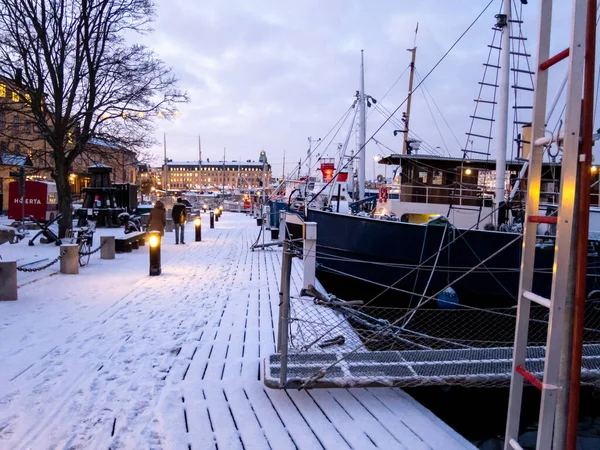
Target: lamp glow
(468, 171)
(594, 169)
(153, 241)
(197, 221)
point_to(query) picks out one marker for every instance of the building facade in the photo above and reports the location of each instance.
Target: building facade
(206, 175)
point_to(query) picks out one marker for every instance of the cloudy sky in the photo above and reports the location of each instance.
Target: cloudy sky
(267, 74)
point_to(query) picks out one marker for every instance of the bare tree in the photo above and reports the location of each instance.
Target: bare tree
(78, 78)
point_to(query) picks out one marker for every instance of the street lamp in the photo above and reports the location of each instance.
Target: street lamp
(198, 227)
(154, 241)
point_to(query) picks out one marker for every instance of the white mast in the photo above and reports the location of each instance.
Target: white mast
(362, 135)
(503, 108)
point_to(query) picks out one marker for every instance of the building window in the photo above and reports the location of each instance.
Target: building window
(2, 90)
(28, 127)
(2, 120)
(437, 177)
(423, 176)
(16, 123)
(3, 146)
(15, 96)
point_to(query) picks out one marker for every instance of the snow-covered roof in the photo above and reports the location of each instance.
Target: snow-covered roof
(216, 163)
(103, 143)
(15, 160)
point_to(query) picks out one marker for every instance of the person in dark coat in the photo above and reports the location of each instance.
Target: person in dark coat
(178, 214)
(158, 218)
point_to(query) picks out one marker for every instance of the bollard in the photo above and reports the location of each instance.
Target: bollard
(154, 242)
(309, 231)
(282, 227)
(8, 280)
(198, 226)
(220, 210)
(169, 227)
(217, 214)
(69, 261)
(108, 247)
(212, 219)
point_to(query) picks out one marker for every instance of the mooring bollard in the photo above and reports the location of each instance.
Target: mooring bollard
(309, 230)
(108, 247)
(220, 210)
(212, 219)
(154, 242)
(198, 226)
(69, 261)
(169, 227)
(8, 280)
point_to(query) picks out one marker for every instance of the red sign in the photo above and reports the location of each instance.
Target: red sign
(39, 201)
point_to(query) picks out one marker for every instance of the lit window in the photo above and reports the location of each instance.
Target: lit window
(2, 90)
(437, 177)
(28, 99)
(15, 97)
(423, 177)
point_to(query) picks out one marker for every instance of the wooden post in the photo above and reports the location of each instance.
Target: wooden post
(108, 247)
(309, 253)
(284, 312)
(69, 262)
(8, 280)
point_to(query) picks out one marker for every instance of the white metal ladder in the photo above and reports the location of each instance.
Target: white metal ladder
(563, 257)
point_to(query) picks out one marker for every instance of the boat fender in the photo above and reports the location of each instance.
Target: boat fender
(447, 299)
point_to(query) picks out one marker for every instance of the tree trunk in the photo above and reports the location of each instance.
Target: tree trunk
(63, 191)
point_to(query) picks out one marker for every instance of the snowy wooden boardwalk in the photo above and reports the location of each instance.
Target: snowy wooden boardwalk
(176, 361)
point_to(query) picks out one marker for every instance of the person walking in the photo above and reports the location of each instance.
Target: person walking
(158, 218)
(178, 214)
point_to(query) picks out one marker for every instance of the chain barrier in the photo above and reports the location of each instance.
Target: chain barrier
(45, 266)
(91, 252)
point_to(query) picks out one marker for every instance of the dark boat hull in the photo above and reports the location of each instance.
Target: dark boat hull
(358, 258)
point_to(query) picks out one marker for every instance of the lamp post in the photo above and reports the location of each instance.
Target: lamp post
(198, 227)
(212, 219)
(154, 241)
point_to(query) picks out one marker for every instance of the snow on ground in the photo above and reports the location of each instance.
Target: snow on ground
(114, 358)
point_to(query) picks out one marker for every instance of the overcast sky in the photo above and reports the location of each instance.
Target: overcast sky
(267, 74)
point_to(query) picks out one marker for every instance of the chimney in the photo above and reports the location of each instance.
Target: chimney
(19, 77)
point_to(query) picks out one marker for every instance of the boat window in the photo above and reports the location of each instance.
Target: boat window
(437, 177)
(423, 176)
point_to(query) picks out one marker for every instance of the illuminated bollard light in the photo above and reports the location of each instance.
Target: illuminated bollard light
(154, 242)
(198, 226)
(217, 214)
(220, 210)
(212, 219)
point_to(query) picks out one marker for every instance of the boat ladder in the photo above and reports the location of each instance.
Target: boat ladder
(551, 383)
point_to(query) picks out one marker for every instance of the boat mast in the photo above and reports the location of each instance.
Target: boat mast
(362, 135)
(406, 117)
(504, 21)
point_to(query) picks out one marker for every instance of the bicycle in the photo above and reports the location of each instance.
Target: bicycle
(84, 238)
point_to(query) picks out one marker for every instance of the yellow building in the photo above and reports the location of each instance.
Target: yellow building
(206, 175)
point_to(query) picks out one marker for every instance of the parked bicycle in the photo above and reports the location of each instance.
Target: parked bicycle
(84, 238)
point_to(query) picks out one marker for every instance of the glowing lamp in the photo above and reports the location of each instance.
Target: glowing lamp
(154, 242)
(468, 171)
(594, 169)
(217, 214)
(198, 229)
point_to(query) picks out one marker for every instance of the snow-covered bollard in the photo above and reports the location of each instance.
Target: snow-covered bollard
(108, 247)
(69, 260)
(309, 253)
(8, 280)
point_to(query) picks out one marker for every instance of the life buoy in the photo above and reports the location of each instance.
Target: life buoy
(383, 195)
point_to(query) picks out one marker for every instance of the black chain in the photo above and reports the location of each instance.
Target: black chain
(91, 252)
(45, 266)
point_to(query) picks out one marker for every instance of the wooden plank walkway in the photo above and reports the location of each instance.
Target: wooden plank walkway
(215, 396)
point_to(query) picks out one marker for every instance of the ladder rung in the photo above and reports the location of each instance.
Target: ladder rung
(487, 84)
(523, 88)
(552, 220)
(485, 101)
(475, 151)
(518, 38)
(543, 301)
(514, 444)
(479, 135)
(523, 71)
(522, 123)
(491, 65)
(482, 118)
(529, 377)
(527, 55)
(515, 21)
(522, 107)
(495, 47)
